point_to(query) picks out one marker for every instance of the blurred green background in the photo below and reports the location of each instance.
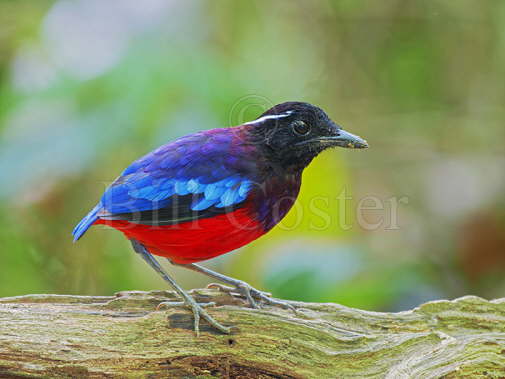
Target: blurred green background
(87, 86)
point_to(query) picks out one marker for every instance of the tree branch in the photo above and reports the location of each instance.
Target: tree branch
(62, 336)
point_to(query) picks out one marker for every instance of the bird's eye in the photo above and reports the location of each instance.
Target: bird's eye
(300, 128)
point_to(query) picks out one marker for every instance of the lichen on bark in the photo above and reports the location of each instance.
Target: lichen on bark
(124, 336)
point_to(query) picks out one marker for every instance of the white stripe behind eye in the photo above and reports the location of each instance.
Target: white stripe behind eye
(269, 117)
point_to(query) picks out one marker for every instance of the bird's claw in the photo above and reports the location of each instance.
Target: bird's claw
(252, 294)
(198, 312)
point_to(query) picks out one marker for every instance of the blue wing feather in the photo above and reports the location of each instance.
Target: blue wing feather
(86, 222)
(181, 187)
(203, 171)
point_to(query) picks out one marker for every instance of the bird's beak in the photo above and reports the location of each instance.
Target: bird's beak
(345, 139)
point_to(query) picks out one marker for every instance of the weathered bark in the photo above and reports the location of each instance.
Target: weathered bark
(59, 336)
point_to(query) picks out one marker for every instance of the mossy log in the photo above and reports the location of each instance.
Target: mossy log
(124, 336)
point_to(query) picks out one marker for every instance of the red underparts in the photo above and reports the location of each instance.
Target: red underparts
(196, 240)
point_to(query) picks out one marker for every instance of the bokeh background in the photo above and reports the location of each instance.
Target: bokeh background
(87, 86)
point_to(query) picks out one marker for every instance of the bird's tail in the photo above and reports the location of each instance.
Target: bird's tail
(86, 222)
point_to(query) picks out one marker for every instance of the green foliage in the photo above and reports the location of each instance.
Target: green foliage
(420, 81)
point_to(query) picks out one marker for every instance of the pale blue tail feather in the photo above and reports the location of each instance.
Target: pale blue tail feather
(86, 222)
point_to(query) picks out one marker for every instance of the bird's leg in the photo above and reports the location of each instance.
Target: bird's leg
(196, 308)
(250, 293)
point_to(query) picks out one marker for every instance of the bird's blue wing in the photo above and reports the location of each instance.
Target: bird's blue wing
(195, 177)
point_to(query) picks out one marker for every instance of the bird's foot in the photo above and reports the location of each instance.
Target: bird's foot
(253, 296)
(198, 312)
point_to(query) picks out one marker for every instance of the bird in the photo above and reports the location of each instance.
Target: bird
(214, 191)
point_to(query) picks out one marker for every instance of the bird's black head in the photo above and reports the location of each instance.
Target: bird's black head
(294, 133)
